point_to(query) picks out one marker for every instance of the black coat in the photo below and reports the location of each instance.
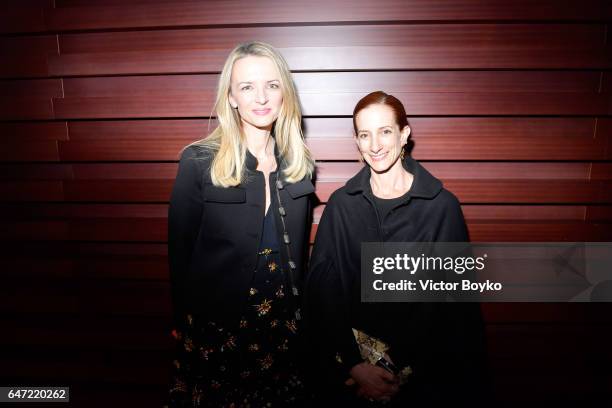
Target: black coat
(443, 343)
(214, 235)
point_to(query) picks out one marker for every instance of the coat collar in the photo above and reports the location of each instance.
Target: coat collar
(424, 185)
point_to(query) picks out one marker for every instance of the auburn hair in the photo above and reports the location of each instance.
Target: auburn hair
(380, 97)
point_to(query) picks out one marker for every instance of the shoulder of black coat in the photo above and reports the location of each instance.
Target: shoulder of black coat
(445, 200)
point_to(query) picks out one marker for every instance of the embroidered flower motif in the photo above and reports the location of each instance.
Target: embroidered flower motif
(188, 344)
(264, 307)
(284, 346)
(338, 358)
(230, 343)
(274, 323)
(254, 347)
(243, 323)
(272, 266)
(196, 395)
(266, 362)
(205, 352)
(253, 291)
(291, 325)
(280, 293)
(265, 252)
(179, 386)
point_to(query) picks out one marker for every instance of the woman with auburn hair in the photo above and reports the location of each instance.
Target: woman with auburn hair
(402, 354)
(238, 228)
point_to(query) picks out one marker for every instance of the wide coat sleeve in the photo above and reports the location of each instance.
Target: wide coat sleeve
(184, 221)
(331, 346)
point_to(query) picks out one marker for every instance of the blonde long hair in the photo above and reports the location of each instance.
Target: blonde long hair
(227, 141)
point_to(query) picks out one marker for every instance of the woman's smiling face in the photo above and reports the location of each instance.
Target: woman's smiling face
(256, 91)
(379, 138)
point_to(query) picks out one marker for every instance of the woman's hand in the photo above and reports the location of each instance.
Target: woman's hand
(374, 382)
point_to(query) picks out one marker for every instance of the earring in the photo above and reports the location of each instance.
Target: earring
(402, 153)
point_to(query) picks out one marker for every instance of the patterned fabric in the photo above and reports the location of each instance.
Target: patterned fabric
(250, 366)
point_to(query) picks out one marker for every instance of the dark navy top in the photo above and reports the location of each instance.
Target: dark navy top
(269, 239)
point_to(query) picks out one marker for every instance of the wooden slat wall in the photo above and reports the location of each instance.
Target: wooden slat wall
(510, 104)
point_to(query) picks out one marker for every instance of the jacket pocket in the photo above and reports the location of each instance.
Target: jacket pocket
(299, 189)
(224, 195)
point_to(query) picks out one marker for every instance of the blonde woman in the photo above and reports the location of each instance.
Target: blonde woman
(238, 233)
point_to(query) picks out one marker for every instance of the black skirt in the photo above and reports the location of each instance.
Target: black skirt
(253, 364)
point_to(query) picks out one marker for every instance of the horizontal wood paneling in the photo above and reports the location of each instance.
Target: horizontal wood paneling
(26, 56)
(333, 47)
(169, 106)
(517, 35)
(329, 138)
(189, 13)
(509, 104)
(27, 132)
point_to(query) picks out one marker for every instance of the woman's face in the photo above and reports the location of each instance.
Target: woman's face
(255, 89)
(379, 138)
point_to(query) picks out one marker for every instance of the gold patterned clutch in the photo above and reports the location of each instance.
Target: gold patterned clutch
(374, 351)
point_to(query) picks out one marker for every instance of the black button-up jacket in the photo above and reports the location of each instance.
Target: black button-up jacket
(214, 235)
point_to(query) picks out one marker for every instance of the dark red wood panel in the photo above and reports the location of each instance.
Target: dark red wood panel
(31, 191)
(349, 82)
(125, 171)
(417, 103)
(26, 56)
(118, 190)
(604, 131)
(191, 13)
(22, 20)
(27, 132)
(35, 171)
(102, 95)
(44, 150)
(599, 213)
(121, 150)
(186, 129)
(26, 109)
(337, 58)
(331, 138)
(440, 35)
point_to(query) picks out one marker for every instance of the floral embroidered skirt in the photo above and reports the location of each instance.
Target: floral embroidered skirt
(254, 365)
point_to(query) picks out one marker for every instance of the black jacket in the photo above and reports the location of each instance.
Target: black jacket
(214, 235)
(443, 343)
